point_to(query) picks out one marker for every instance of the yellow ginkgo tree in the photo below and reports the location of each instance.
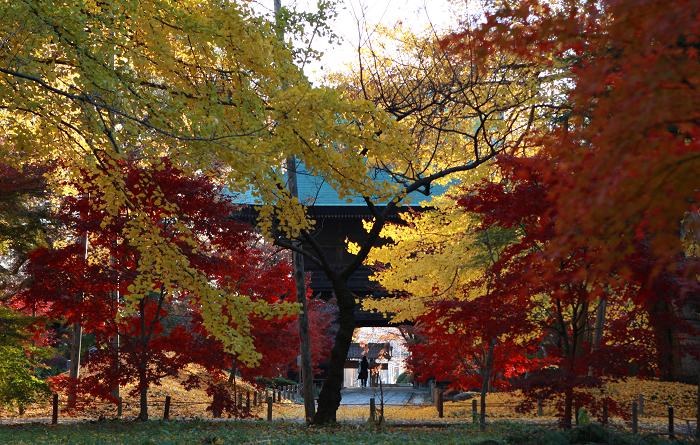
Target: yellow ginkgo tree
(433, 254)
(86, 86)
(455, 111)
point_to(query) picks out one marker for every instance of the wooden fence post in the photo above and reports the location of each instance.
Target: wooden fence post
(641, 404)
(120, 405)
(635, 423)
(539, 408)
(54, 410)
(240, 402)
(475, 413)
(440, 403)
(372, 410)
(247, 402)
(255, 398)
(671, 432)
(166, 408)
(269, 409)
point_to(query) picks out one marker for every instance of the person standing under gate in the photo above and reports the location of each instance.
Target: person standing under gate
(364, 370)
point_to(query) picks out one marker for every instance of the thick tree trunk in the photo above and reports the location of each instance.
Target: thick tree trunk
(599, 327)
(143, 403)
(661, 319)
(568, 408)
(329, 399)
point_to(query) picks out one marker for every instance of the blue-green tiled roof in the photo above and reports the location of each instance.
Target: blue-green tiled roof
(315, 191)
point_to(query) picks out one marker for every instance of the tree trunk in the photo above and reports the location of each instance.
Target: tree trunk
(143, 365)
(485, 383)
(74, 371)
(599, 326)
(329, 399)
(697, 413)
(568, 408)
(306, 369)
(143, 400)
(115, 345)
(599, 322)
(662, 319)
(77, 341)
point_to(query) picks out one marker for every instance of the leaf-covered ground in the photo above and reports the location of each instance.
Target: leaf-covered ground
(220, 433)
(193, 403)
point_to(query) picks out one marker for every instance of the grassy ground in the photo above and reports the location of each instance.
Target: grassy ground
(220, 433)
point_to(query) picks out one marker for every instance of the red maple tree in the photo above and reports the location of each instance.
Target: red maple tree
(625, 148)
(165, 332)
(594, 331)
(619, 164)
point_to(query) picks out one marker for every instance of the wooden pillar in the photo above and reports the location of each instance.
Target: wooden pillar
(120, 405)
(247, 402)
(475, 412)
(671, 427)
(440, 402)
(372, 410)
(641, 404)
(635, 420)
(539, 408)
(269, 409)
